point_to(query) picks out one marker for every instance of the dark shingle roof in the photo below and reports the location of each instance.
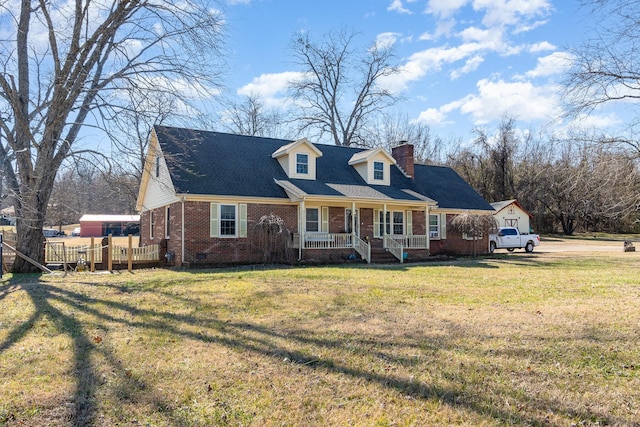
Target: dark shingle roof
(202, 162)
(444, 185)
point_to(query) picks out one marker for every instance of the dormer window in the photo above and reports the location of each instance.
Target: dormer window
(374, 166)
(378, 171)
(298, 159)
(302, 164)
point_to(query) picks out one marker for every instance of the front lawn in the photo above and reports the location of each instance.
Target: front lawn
(520, 339)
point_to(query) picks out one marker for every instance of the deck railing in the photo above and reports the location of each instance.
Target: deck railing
(56, 253)
(138, 254)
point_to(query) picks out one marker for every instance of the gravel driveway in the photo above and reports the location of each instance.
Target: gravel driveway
(551, 245)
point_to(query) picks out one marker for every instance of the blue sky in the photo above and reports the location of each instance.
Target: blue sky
(465, 63)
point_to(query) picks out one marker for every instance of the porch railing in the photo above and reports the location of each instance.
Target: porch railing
(410, 241)
(396, 248)
(325, 240)
(363, 248)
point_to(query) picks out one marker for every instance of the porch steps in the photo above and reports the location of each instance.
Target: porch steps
(382, 256)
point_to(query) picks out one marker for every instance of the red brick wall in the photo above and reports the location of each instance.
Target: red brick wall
(454, 244)
(200, 248)
(204, 250)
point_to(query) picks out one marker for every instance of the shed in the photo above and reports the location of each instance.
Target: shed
(509, 213)
(103, 225)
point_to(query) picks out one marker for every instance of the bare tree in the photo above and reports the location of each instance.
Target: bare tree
(64, 68)
(341, 89)
(130, 128)
(604, 68)
(251, 117)
(393, 129)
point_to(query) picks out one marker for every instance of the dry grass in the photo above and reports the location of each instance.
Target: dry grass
(520, 339)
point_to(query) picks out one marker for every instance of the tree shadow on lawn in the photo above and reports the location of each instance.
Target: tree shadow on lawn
(244, 336)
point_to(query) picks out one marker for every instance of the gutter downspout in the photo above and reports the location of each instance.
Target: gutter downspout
(182, 232)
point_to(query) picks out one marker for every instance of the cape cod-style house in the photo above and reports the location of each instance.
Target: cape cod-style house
(203, 193)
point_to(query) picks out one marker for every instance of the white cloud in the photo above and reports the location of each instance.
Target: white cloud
(495, 99)
(472, 64)
(396, 5)
(519, 99)
(596, 121)
(386, 40)
(541, 47)
(510, 12)
(549, 65)
(445, 8)
(271, 88)
(526, 28)
(432, 117)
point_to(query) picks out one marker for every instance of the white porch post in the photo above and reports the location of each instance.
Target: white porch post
(426, 218)
(301, 217)
(384, 222)
(353, 221)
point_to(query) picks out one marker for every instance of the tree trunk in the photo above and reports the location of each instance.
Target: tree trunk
(30, 212)
(30, 243)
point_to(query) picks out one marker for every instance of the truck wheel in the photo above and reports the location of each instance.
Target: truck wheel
(492, 246)
(529, 247)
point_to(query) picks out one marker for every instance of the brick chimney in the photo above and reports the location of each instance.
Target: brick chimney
(403, 154)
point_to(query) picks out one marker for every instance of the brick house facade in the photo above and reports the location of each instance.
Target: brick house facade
(208, 198)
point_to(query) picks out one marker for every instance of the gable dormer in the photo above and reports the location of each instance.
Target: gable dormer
(298, 159)
(374, 166)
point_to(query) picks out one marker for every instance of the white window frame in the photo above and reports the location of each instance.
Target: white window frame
(380, 224)
(234, 220)
(215, 219)
(167, 222)
(318, 220)
(380, 171)
(434, 234)
(152, 224)
(394, 224)
(300, 163)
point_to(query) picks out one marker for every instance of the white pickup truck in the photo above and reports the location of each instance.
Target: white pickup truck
(509, 238)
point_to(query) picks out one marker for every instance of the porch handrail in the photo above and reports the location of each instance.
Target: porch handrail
(396, 248)
(363, 248)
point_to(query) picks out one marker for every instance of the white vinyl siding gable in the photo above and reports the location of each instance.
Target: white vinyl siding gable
(160, 190)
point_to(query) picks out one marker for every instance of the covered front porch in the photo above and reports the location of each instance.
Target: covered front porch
(371, 232)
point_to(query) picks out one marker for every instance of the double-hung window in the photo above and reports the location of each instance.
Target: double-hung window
(378, 171)
(302, 164)
(398, 223)
(228, 220)
(392, 223)
(312, 220)
(434, 226)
